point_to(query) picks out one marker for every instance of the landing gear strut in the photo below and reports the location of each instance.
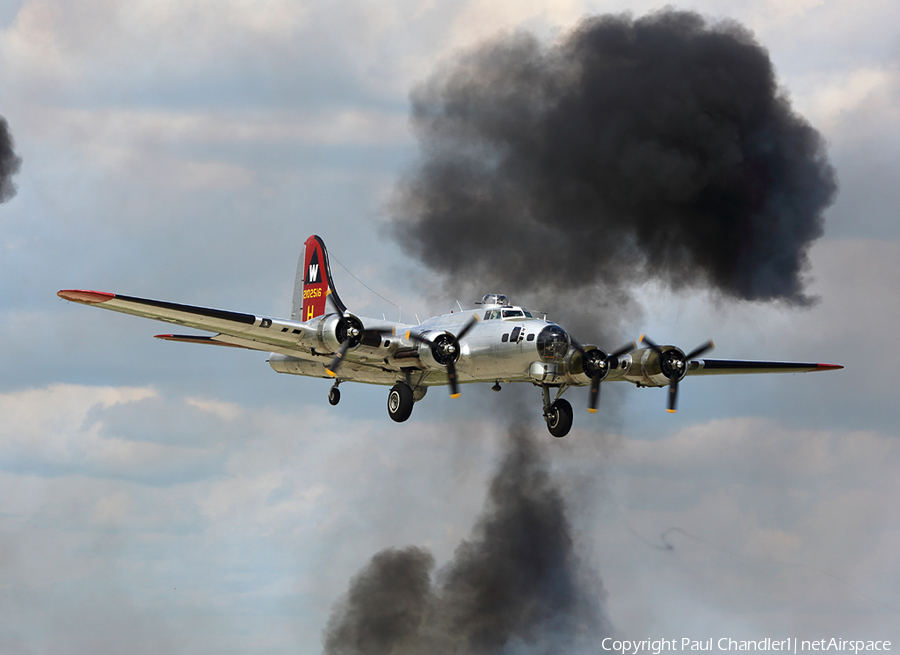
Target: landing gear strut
(558, 414)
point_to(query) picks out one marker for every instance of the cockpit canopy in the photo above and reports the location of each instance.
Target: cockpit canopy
(495, 299)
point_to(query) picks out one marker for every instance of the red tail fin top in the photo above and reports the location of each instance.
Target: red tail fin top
(314, 293)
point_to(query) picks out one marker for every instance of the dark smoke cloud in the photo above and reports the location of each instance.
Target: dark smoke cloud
(515, 586)
(659, 146)
(9, 162)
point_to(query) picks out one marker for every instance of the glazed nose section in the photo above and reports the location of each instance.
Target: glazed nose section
(553, 343)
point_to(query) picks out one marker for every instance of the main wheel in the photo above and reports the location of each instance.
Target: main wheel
(559, 418)
(334, 396)
(400, 402)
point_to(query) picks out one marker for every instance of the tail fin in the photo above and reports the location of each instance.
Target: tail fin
(314, 293)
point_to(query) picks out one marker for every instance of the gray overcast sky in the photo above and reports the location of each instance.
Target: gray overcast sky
(160, 498)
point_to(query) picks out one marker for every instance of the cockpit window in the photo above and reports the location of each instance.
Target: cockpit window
(491, 314)
(528, 314)
(513, 313)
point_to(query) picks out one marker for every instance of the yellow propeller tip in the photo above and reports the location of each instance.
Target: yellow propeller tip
(641, 339)
(671, 411)
(454, 395)
(592, 410)
(330, 372)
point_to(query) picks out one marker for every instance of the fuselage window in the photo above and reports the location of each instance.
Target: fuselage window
(530, 337)
(515, 334)
(505, 337)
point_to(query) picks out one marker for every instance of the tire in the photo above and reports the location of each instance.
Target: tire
(400, 402)
(334, 396)
(559, 418)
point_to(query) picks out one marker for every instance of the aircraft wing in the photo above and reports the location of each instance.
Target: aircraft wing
(739, 366)
(234, 329)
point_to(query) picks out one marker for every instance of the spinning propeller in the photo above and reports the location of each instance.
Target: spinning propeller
(673, 364)
(445, 350)
(349, 332)
(597, 365)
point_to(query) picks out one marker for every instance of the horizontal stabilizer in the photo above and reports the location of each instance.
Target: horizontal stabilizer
(190, 338)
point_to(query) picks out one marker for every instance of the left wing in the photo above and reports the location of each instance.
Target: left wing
(234, 329)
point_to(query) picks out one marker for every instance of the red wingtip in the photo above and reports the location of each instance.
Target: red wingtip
(90, 297)
(828, 367)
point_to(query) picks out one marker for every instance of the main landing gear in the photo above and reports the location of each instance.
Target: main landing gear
(400, 402)
(558, 413)
(404, 395)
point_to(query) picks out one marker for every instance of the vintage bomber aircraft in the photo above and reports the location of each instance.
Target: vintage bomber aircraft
(497, 342)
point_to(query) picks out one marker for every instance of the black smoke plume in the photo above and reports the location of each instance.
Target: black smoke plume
(9, 162)
(628, 148)
(515, 586)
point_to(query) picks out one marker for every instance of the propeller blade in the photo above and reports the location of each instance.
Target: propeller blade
(624, 350)
(595, 395)
(335, 364)
(673, 396)
(644, 338)
(416, 337)
(468, 327)
(451, 378)
(699, 350)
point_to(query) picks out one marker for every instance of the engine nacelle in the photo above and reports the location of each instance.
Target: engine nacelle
(581, 368)
(656, 369)
(577, 365)
(437, 349)
(334, 329)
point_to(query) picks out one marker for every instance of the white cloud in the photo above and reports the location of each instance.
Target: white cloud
(71, 429)
(764, 517)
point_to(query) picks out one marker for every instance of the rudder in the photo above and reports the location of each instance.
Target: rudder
(314, 293)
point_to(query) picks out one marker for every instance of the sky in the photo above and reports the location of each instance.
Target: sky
(161, 497)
